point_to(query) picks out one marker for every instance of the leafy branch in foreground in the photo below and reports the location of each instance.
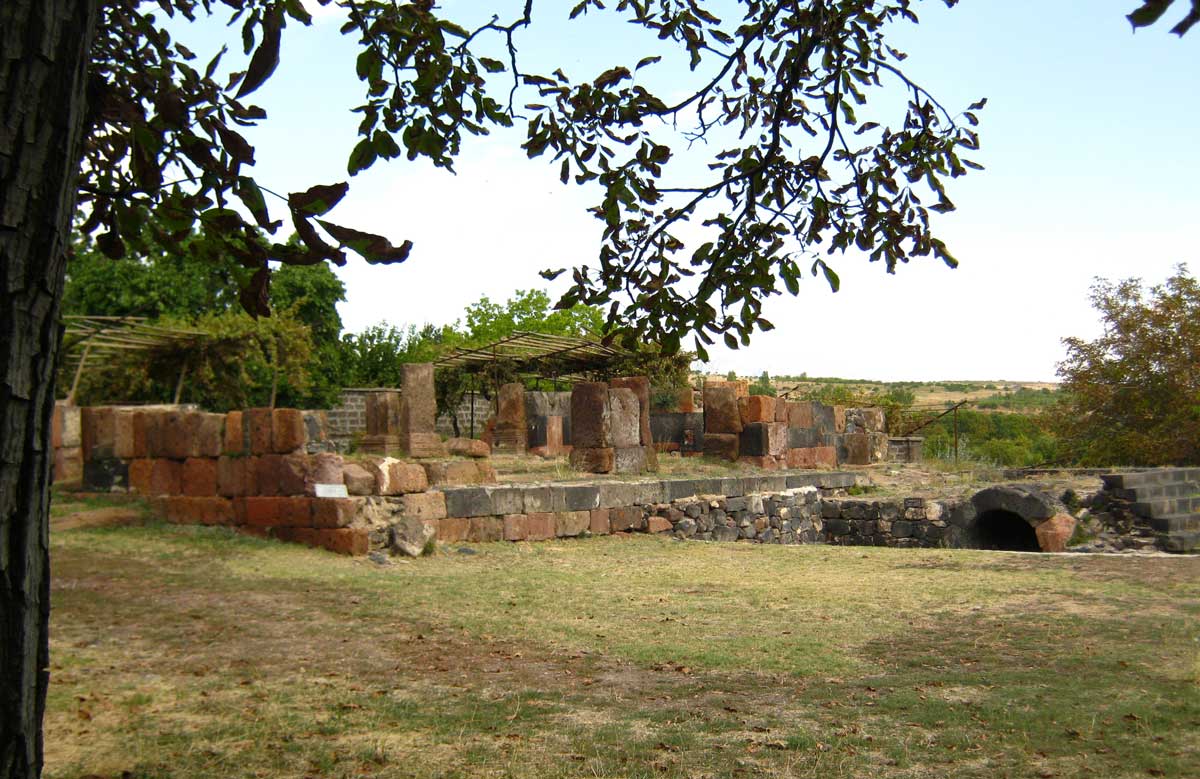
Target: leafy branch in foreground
(797, 174)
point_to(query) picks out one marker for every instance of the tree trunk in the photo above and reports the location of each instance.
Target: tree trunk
(43, 63)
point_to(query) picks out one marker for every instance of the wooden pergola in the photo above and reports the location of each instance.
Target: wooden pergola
(90, 337)
(569, 358)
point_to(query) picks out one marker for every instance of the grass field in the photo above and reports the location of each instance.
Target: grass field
(191, 652)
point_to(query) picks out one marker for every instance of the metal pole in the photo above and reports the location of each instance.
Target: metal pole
(956, 437)
(179, 384)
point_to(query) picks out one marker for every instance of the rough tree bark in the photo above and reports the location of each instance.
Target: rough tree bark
(43, 64)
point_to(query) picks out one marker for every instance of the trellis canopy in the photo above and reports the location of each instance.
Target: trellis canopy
(549, 356)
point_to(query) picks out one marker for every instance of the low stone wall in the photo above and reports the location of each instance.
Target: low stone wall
(262, 471)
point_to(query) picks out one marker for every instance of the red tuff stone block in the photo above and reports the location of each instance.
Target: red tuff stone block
(166, 477)
(590, 424)
(151, 424)
(267, 470)
(297, 535)
(453, 529)
(178, 430)
(99, 432)
(598, 522)
(658, 525)
(262, 512)
(256, 430)
(626, 518)
(68, 464)
(141, 442)
(568, 524)
(516, 527)
(215, 511)
(236, 477)
(721, 414)
(451, 473)
(234, 440)
(756, 408)
(487, 474)
(686, 400)
(541, 526)
(468, 447)
(839, 419)
(858, 449)
(1055, 533)
(298, 512)
(140, 473)
(591, 460)
(123, 446)
(763, 462)
(209, 437)
(200, 477)
(722, 445)
(287, 430)
(826, 456)
(425, 506)
(800, 414)
(56, 427)
(358, 480)
(334, 512)
(179, 510)
(394, 477)
(293, 473)
(347, 541)
(781, 410)
(485, 529)
(323, 468)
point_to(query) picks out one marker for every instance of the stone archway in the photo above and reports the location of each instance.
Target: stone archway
(1015, 518)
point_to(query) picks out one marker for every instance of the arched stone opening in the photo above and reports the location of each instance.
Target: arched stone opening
(1005, 530)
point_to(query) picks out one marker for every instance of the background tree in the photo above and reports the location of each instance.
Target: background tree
(1132, 395)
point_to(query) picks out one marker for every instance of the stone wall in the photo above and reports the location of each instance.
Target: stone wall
(483, 409)
(348, 419)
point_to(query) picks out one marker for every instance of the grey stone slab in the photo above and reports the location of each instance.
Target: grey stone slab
(834, 480)
(676, 489)
(614, 494)
(731, 487)
(540, 500)
(580, 497)
(468, 502)
(507, 500)
(798, 480)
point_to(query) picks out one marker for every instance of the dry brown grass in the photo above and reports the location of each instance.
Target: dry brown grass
(191, 652)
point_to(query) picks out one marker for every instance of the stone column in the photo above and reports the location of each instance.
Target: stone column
(418, 412)
(509, 434)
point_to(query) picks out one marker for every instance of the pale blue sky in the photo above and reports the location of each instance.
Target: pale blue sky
(1089, 137)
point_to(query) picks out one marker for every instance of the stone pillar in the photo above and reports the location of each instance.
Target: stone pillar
(383, 423)
(591, 434)
(402, 422)
(509, 434)
(640, 385)
(418, 412)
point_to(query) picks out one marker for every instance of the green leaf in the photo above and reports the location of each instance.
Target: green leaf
(362, 157)
(1149, 13)
(318, 200)
(266, 56)
(372, 248)
(491, 65)
(731, 341)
